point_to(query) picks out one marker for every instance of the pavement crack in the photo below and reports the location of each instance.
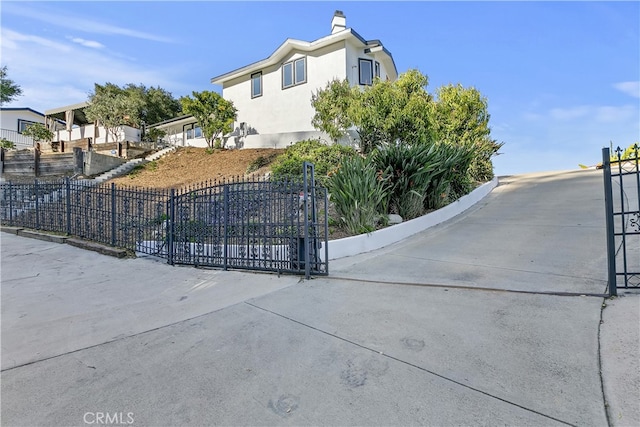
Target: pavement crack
(516, 270)
(84, 364)
(467, 288)
(604, 397)
(477, 390)
(20, 278)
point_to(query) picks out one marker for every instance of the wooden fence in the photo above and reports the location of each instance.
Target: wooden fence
(34, 163)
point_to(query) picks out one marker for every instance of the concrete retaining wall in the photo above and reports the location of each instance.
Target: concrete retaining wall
(96, 163)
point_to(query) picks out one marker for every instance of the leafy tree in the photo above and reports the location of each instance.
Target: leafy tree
(112, 107)
(154, 134)
(332, 108)
(384, 113)
(38, 132)
(214, 114)
(9, 90)
(156, 104)
(460, 117)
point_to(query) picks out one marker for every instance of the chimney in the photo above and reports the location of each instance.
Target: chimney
(339, 22)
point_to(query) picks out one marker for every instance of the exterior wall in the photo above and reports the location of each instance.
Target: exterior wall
(285, 110)
(126, 133)
(9, 125)
(354, 53)
(9, 118)
(280, 117)
(285, 139)
(177, 136)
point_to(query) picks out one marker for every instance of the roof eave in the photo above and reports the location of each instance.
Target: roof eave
(21, 109)
(286, 47)
(77, 106)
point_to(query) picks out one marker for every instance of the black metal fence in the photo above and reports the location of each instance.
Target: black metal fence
(259, 224)
(622, 204)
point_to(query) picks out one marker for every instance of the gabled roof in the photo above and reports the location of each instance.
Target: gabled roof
(22, 109)
(292, 44)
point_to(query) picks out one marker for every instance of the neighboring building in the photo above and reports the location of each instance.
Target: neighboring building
(13, 121)
(182, 131)
(273, 96)
(76, 126)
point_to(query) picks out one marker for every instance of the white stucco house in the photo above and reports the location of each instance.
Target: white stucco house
(273, 95)
(13, 121)
(182, 131)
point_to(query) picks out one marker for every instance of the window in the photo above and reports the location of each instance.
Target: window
(193, 131)
(377, 67)
(300, 74)
(23, 124)
(294, 73)
(366, 71)
(256, 84)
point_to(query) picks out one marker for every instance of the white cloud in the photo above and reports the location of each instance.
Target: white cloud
(11, 39)
(78, 23)
(57, 73)
(569, 113)
(529, 116)
(629, 88)
(87, 43)
(594, 113)
(613, 114)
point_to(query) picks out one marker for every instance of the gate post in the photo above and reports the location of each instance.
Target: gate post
(307, 255)
(35, 189)
(113, 214)
(170, 218)
(10, 204)
(225, 253)
(608, 203)
(68, 204)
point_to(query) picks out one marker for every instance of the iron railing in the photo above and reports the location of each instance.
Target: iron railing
(21, 141)
(622, 207)
(256, 224)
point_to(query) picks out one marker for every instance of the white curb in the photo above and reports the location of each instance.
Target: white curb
(355, 245)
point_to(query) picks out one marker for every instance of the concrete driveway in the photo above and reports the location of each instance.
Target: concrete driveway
(491, 318)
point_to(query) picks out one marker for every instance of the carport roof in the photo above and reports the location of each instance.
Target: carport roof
(79, 118)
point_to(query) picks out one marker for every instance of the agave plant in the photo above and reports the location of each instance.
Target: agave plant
(358, 192)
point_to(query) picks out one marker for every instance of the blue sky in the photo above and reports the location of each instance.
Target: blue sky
(561, 78)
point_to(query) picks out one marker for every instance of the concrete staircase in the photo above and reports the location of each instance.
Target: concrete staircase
(127, 167)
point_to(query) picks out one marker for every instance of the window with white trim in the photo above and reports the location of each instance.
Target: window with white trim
(23, 124)
(294, 73)
(256, 84)
(366, 71)
(192, 131)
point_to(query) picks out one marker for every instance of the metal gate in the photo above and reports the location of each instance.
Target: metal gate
(622, 203)
(279, 226)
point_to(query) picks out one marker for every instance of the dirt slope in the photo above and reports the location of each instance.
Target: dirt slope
(189, 165)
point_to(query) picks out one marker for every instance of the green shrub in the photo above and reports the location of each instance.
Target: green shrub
(5, 143)
(481, 167)
(260, 162)
(358, 192)
(325, 158)
(450, 179)
(409, 171)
